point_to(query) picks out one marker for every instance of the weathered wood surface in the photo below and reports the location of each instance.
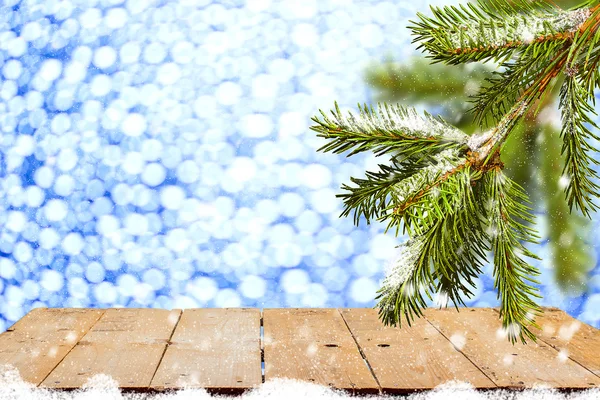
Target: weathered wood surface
(478, 335)
(412, 358)
(213, 348)
(126, 344)
(314, 345)
(41, 339)
(220, 349)
(572, 338)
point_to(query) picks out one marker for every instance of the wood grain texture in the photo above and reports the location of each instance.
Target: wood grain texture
(40, 340)
(349, 349)
(314, 345)
(478, 335)
(410, 358)
(126, 344)
(575, 339)
(213, 348)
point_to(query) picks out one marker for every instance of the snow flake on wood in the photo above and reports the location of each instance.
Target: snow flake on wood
(567, 331)
(458, 340)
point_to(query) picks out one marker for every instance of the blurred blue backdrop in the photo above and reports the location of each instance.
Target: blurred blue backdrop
(157, 154)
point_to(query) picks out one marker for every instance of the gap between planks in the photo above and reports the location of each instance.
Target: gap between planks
(515, 366)
(360, 350)
(417, 358)
(459, 350)
(71, 349)
(315, 345)
(262, 346)
(217, 349)
(553, 345)
(167, 346)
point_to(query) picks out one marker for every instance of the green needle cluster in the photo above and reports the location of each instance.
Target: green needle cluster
(449, 188)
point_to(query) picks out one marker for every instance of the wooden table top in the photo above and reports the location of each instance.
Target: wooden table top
(229, 350)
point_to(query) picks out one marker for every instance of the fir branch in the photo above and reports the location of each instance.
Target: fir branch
(400, 294)
(494, 31)
(586, 39)
(531, 77)
(444, 186)
(373, 196)
(444, 165)
(401, 192)
(576, 146)
(487, 145)
(435, 192)
(506, 88)
(509, 215)
(394, 129)
(444, 259)
(463, 265)
(463, 246)
(589, 69)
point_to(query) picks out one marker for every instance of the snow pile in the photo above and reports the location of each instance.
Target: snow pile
(102, 387)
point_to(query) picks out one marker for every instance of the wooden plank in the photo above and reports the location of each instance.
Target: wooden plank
(410, 358)
(314, 345)
(477, 333)
(215, 349)
(574, 339)
(220, 349)
(126, 344)
(41, 339)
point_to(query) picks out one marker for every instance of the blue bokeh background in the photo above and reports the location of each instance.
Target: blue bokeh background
(157, 154)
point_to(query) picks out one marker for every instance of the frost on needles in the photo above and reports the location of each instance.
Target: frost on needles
(447, 190)
(494, 29)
